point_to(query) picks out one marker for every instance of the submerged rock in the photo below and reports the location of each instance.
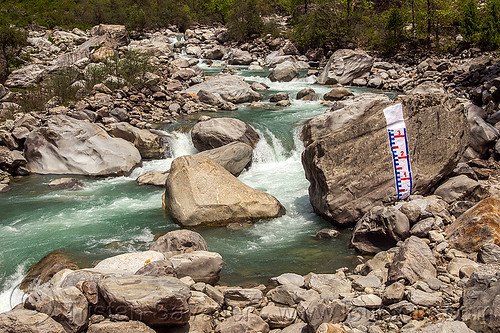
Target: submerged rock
(64, 183)
(69, 146)
(476, 227)
(217, 132)
(348, 161)
(201, 192)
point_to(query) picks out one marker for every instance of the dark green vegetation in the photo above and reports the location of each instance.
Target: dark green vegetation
(376, 24)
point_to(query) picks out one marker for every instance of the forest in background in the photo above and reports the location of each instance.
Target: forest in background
(378, 24)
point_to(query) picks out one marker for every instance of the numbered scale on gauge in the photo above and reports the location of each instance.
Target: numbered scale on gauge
(402, 169)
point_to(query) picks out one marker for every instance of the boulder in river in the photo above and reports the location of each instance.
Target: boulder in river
(234, 157)
(217, 132)
(201, 192)
(346, 65)
(348, 161)
(476, 227)
(179, 241)
(231, 88)
(284, 72)
(157, 178)
(66, 145)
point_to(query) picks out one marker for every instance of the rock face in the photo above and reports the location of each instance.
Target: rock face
(69, 146)
(380, 229)
(234, 157)
(231, 88)
(148, 144)
(481, 308)
(152, 300)
(476, 227)
(217, 132)
(201, 192)
(346, 65)
(414, 261)
(27, 321)
(345, 186)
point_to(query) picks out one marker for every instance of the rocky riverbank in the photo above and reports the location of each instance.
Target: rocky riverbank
(436, 255)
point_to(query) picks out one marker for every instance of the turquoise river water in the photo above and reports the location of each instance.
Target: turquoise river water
(110, 216)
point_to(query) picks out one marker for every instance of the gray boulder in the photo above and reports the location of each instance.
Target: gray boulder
(284, 72)
(201, 192)
(380, 229)
(178, 242)
(234, 157)
(66, 145)
(346, 65)
(243, 297)
(489, 254)
(480, 306)
(336, 94)
(345, 186)
(64, 183)
(231, 88)
(27, 321)
(239, 57)
(116, 35)
(127, 263)
(483, 135)
(446, 327)
(328, 284)
(316, 312)
(414, 261)
(152, 300)
(26, 77)
(278, 317)
(148, 144)
(68, 306)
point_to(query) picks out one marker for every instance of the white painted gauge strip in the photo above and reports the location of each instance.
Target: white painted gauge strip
(399, 150)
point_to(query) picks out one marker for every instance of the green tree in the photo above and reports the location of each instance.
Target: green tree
(245, 21)
(470, 23)
(490, 26)
(11, 40)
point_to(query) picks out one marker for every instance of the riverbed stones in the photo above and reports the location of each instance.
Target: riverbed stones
(231, 88)
(217, 132)
(393, 293)
(201, 192)
(317, 312)
(243, 323)
(66, 145)
(476, 227)
(336, 94)
(422, 298)
(179, 241)
(128, 263)
(148, 144)
(489, 254)
(28, 321)
(156, 178)
(380, 229)
(346, 65)
(414, 261)
(284, 72)
(328, 284)
(152, 300)
(345, 186)
(64, 183)
(234, 157)
(199, 303)
(68, 306)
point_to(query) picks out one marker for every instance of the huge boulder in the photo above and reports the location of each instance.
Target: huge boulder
(234, 157)
(217, 132)
(201, 192)
(28, 321)
(346, 65)
(344, 186)
(152, 300)
(414, 261)
(66, 145)
(380, 229)
(284, 72)
(239, 57)
(481, 301)
(476, 227)
(149, 144)
(231, 88)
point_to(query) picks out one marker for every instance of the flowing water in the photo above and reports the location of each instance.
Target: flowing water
(110, 216)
